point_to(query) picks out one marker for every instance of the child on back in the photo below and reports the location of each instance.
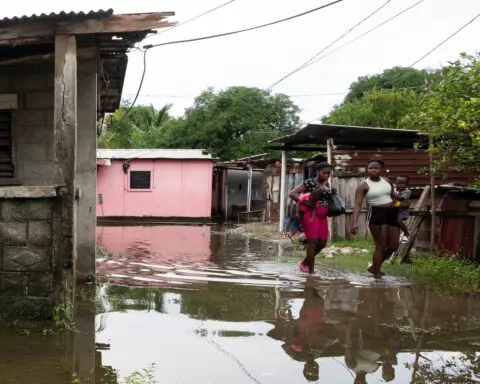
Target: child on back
(402, 195)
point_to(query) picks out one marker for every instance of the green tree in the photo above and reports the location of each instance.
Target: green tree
(233, 123)
(390, 79)
(375, 109)
(138, 127)
(450, 114)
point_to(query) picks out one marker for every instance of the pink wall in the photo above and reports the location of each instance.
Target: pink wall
(179, 189)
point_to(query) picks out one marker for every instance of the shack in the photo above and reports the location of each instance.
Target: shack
(349, 148)
(239, 189)
(59, 74)
(160, 184)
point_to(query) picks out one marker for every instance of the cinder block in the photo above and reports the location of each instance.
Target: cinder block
(23, 210)
(33, 152)
(26, 259)
(39, 232)
(33, 82)
(31, 117)
(39, 100)
(13, 233)
(34, 135)
(39, 284)
(12, 284)
(40, 172)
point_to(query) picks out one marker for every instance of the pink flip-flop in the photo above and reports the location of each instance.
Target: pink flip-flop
(303, 267)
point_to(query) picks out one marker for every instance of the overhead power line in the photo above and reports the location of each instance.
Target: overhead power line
(245, 29)
(150, 46)
(362, 35)
(329, 45)
(444, 41)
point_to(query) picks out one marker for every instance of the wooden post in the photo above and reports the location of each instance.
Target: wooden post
(283, 177)
(433, 226)
(249, 188)
(65, 139)
(330, 161)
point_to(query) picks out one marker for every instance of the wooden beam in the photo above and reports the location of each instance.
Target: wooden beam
(116, 24)
(414, 224)
(65, 140)
(28, 32)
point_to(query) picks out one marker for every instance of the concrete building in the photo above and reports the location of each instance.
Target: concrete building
(59, 74)
(154, 183)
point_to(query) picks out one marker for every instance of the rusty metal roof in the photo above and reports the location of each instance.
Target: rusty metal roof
(57, 16)
(351, 136)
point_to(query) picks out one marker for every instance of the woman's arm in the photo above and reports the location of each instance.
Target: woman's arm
(295, 195)
(295, 192)
(360, 192)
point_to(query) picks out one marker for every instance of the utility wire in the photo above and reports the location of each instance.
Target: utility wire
(196, 17)
(444, 41)
(329, 45)
(362, 35)
(245, 29)
(150, 46)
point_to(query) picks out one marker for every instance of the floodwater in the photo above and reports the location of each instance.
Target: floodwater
(206, 307)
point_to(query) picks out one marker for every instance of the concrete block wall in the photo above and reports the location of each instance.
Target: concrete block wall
(32, 122)
(27, 265)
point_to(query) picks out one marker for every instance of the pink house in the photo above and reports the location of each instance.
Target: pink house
(159, 183)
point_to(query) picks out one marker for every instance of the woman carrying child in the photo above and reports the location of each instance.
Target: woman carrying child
(314, 208)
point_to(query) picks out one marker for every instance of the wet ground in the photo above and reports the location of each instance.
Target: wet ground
(206, 307)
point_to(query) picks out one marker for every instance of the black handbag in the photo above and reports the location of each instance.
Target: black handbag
(336, 206)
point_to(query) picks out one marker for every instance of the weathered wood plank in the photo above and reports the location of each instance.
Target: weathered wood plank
(414, 224)
(116, 24)
(34, 32)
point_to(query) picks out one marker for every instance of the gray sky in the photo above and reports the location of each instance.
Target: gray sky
(177, 73)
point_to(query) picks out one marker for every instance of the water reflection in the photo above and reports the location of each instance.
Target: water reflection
(232, 312)
(353, 334)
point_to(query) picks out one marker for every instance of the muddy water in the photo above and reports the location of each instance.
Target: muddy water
(210, 308)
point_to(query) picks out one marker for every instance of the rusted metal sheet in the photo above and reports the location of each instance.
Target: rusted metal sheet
(457, 234)
(411, 161)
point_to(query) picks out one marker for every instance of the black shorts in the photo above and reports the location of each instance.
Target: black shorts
(383, 216)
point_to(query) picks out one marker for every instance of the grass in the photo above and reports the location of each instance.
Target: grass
(444, 274)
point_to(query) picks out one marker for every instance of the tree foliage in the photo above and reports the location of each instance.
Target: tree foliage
(450, 114)
(396, 78)
(232, 123)
(375, 109)
(235, 122)
(142, 127)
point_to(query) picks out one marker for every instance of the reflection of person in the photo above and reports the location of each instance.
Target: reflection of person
(378, 192)
(305, 337)
(316, 231)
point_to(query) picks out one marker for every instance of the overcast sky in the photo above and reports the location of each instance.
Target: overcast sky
(177, 73)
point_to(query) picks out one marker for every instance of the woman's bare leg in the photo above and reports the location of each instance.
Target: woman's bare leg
(312, 245)
(379, 234)
(392, 241)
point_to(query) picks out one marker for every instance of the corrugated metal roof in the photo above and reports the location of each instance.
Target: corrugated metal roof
(56, 16)
(128, 154)
(346, 135)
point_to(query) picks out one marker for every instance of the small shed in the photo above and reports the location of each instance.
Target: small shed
(154, 184)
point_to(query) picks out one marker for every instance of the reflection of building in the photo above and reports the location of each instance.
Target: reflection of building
(165, 183)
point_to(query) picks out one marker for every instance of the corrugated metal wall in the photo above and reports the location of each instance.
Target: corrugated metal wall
(412, 162)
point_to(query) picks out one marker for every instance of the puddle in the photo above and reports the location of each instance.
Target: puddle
(210, 308)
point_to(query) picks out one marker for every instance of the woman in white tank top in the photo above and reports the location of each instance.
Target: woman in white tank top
(382, 216)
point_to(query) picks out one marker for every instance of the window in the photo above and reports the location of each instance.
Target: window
(140, 179)
(6, 163)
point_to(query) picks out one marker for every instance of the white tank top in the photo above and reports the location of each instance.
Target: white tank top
(379, 192)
